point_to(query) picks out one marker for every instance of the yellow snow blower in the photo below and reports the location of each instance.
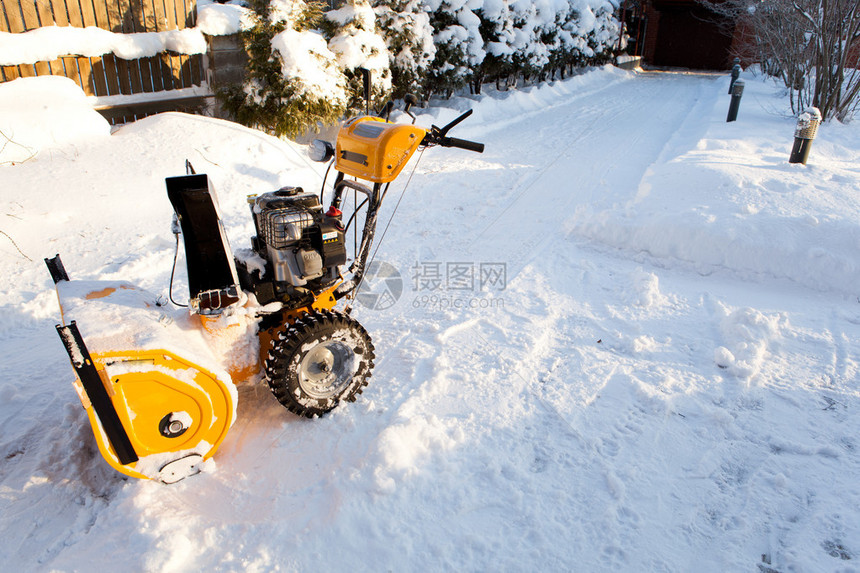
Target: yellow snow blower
(157, 382)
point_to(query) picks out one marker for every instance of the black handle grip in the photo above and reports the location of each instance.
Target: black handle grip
(444, 131)
(462, 144)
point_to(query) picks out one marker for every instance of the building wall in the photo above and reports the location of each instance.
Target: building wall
(684, 34)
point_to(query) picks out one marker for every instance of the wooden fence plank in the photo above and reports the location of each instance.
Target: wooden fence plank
(29, 13)
(74, 17)
(170, 24)
(58, 8)
(176, 20)
(150, 21)
(137, 21)
(72, 71)
(95, 14)
(56, 68)
(196, 61)
(46, 18)
(160, 26)
(111, 74)
(133, 66)
(147, 74)
(15, 18)
(121, 68)
(99, 79)
(123, 72)
(189, 13)
(113, 15)
(30, 21)
(88, 12)
(11, 73)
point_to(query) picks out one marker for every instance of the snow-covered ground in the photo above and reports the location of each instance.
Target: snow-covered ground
(627, 340)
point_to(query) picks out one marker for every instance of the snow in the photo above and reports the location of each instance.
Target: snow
(215, 19)
(666, 380)
(42, 113)
(357, 43)
(306, 58)
(51, 41)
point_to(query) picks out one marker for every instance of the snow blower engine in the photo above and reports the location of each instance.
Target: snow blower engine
(157, 381)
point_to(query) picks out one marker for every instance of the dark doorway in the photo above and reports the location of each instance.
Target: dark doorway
(690, 36)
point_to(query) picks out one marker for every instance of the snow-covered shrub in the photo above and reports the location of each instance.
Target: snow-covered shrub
(529, 38)
(305, 65)
(409, 36)
(293, 80)
(356, 42)
(603, 36)
(459, 45)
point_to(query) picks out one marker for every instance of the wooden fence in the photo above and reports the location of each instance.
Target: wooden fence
(108, 75)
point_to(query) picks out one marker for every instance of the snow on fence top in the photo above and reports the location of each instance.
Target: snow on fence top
(50, 42)
(111, 48)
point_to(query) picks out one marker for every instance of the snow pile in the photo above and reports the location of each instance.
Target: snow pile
(44, 113)
(773, 218)
(749, 332)
(217, 19)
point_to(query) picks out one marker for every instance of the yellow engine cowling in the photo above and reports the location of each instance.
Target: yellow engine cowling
(373, 149)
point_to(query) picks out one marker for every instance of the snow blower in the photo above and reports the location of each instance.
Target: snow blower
(157, 382)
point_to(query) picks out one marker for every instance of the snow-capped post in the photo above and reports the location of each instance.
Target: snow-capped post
(736, 72)
(737, 94)
(804, 133)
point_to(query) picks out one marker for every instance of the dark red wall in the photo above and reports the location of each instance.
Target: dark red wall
(683, 34)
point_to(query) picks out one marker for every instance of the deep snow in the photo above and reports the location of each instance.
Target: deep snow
(640, 354)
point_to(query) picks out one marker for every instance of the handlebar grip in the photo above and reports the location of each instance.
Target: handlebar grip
(462, 144)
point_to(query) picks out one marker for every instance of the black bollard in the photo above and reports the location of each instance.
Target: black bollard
(736, 72)
(737, 94)
(804, 133)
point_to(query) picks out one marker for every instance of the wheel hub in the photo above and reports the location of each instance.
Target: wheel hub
(325, 369)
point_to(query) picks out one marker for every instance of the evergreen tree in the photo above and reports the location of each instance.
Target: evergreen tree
(408, 34)
(459, 46)
(497, 29)
(292, 81)
(354, 38)
(604, 35)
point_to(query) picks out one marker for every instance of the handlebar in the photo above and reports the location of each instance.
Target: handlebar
(462, 144)
(437, 136)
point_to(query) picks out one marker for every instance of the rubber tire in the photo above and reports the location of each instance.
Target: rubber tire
(331, 329)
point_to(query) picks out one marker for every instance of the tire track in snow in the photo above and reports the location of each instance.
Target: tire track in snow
(598, 163)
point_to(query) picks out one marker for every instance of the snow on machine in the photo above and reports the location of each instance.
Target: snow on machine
(157, 382)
